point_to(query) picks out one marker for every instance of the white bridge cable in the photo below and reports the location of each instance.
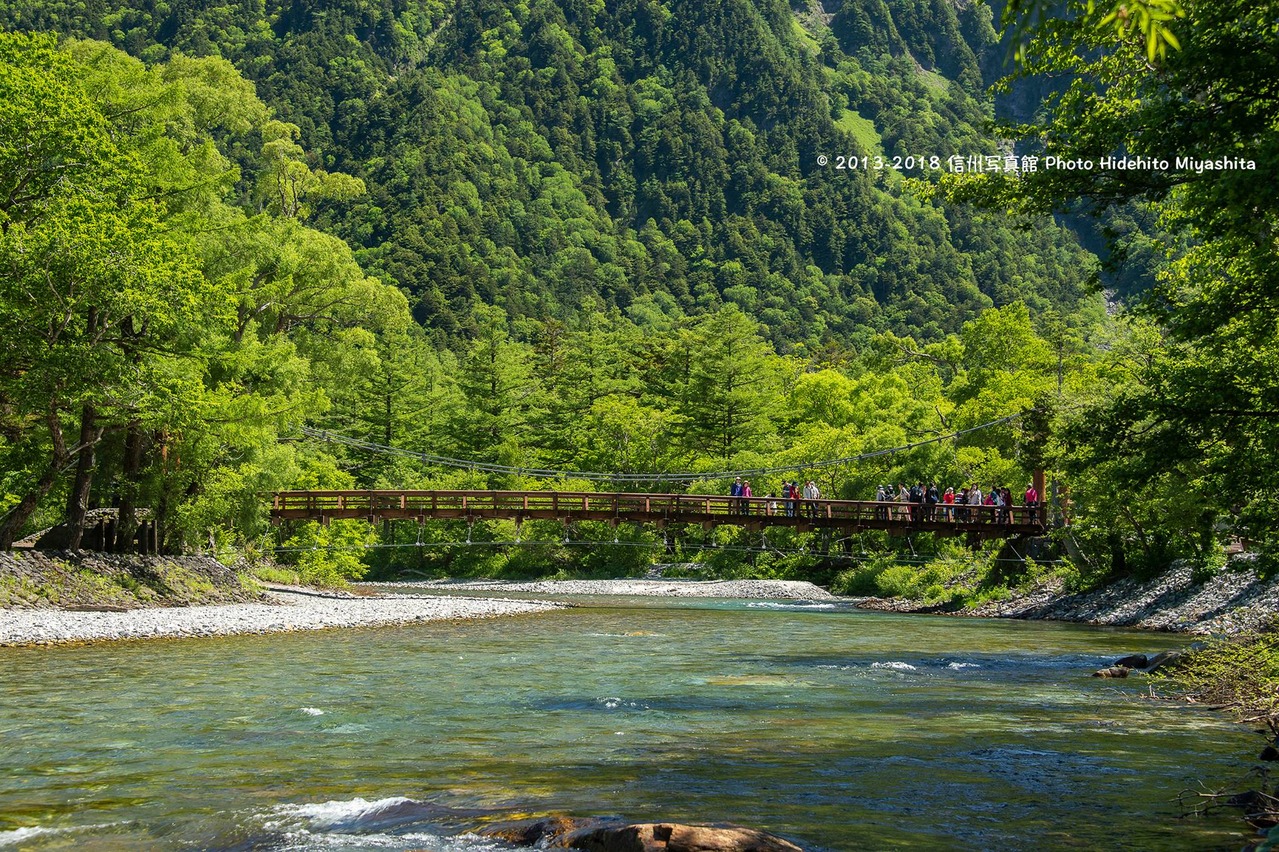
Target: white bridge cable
(596, 476)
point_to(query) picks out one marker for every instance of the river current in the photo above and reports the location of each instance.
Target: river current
(836, 728)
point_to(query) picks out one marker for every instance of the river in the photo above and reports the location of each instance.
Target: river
(839, 729)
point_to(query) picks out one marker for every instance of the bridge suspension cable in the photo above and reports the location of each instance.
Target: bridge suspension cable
(644, 545)
(596, 476)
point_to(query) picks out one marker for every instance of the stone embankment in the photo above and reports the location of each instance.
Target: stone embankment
(36, 579)
(1234, 600)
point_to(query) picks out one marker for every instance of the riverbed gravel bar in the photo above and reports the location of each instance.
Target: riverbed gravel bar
(281, 613)
(740, 589)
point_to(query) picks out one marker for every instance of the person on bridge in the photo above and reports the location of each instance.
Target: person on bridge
(1032, 503)
(931, 499)
(948, 503)
(735, 491)
(790, 492)
(974, 503)
(812, 494)
(746, 497)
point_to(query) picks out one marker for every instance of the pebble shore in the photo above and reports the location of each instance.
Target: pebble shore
(283, 612)
(739, 589)
(742, 589)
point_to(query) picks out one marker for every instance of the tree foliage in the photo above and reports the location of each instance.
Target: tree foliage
(1181, 431)
(535, 154)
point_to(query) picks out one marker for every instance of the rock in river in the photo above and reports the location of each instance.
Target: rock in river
(596, 835)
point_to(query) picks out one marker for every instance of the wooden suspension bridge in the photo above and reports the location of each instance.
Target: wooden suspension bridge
(661, 510)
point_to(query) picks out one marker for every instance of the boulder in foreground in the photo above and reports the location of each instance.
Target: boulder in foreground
(596, 835)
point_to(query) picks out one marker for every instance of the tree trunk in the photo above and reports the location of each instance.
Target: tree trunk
(12, 523)
(78, 499)
(127, 525)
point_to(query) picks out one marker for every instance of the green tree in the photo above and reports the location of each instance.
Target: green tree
(726, 386)
(500, 393)
(100, 291)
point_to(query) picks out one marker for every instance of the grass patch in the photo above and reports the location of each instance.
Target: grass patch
(863, 130)
(16, 591)
(934, 81)
(805, 37)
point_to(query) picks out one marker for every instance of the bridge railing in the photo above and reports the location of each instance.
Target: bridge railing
(599, 505)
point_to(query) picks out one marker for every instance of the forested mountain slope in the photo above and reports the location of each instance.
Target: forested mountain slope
(658, 156)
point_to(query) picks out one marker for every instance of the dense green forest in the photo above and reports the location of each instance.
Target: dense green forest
(598, 237)
(656, 157)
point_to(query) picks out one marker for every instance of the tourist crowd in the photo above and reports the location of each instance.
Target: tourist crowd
(915, 503)
(922, 502)
(794, 498)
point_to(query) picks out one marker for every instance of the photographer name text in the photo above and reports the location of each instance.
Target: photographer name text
(958, 164)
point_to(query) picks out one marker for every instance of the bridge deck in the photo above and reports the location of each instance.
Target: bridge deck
(846, 516)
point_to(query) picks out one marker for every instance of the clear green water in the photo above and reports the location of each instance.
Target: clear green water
(839, 729)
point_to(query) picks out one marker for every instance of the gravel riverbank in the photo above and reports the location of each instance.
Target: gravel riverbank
(280, 612)
(287, 609)
(750, 589)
